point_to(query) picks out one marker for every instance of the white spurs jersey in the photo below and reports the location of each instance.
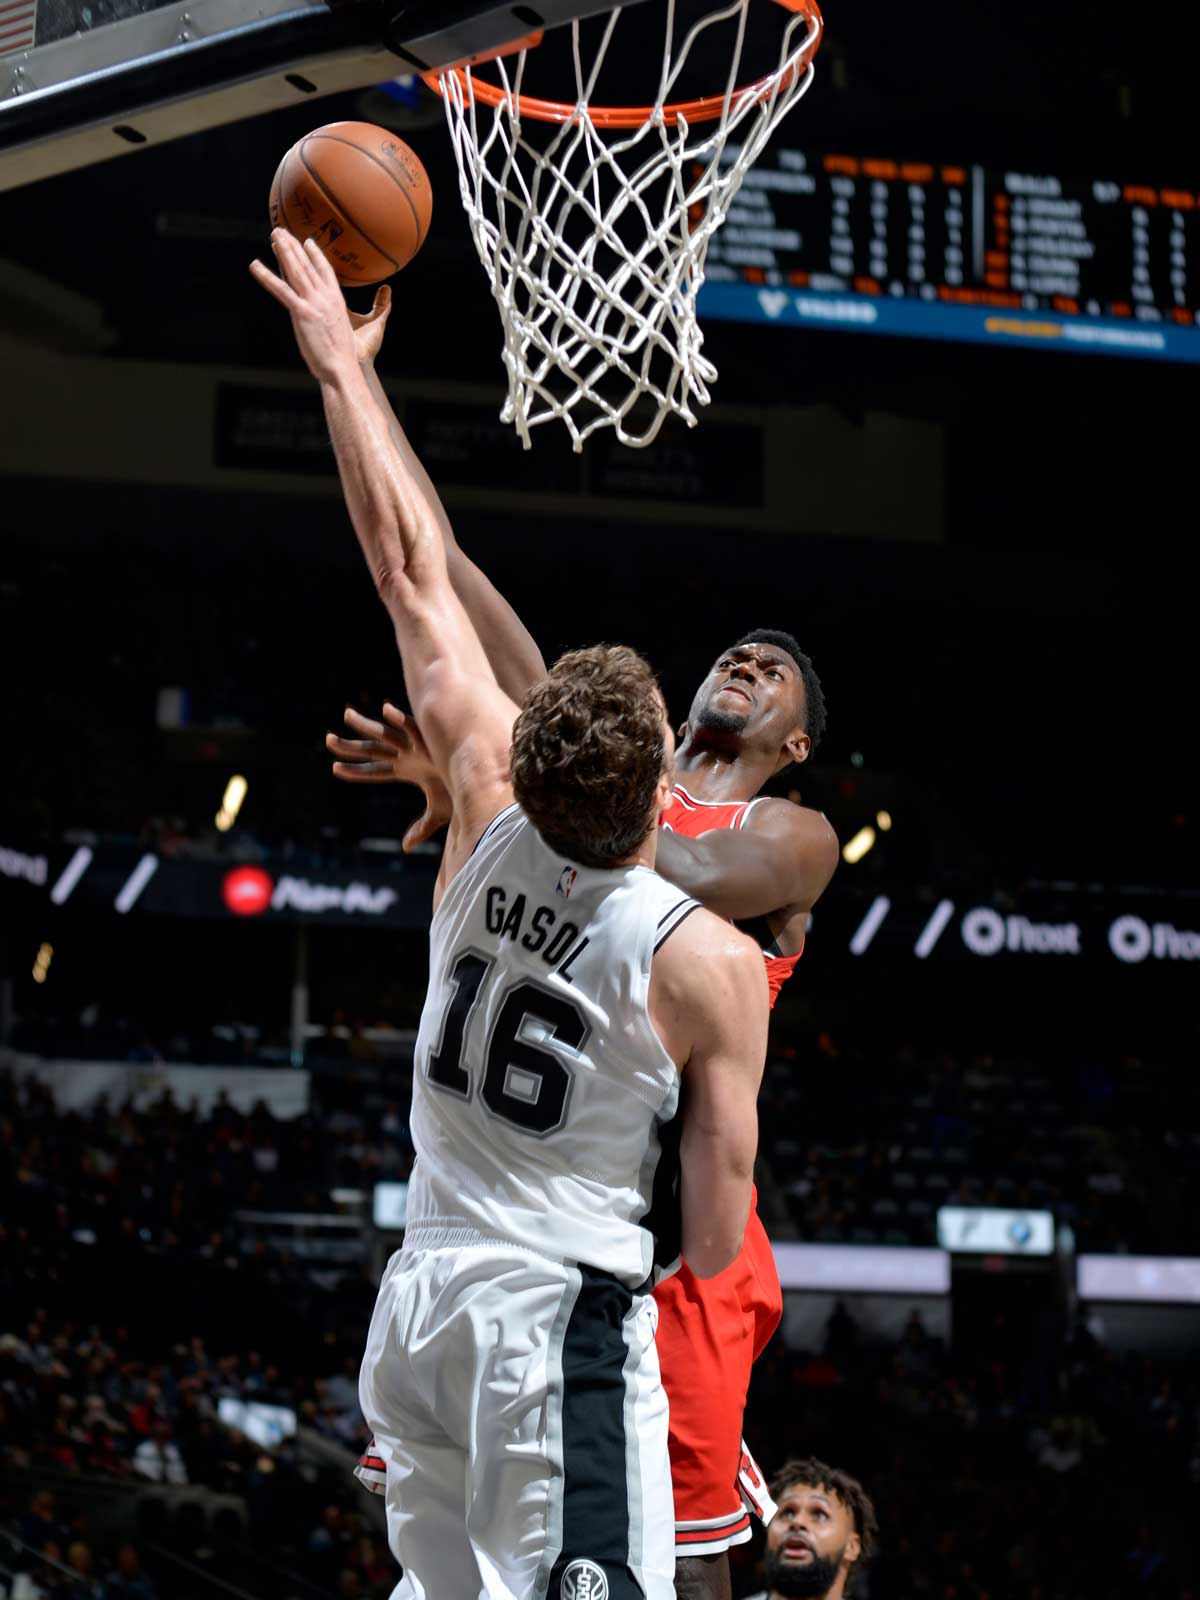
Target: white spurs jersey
(541, 1091)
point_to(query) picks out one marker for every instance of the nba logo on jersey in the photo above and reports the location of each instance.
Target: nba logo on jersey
(567, 882)
(583, 1580)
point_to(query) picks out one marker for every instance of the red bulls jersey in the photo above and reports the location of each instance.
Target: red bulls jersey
(692, 818)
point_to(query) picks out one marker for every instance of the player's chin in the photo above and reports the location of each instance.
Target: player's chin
(721, 719)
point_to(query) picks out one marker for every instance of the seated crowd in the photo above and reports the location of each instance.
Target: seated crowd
(983, 1469)
(867, 1143)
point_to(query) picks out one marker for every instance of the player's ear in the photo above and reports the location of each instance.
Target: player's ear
(662, 795)
(853, 1548)
(797, 747)
(681, 733)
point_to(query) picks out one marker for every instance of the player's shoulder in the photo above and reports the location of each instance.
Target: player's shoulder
(706, 978)
(705, 953)
(776, 815)
(794, 826)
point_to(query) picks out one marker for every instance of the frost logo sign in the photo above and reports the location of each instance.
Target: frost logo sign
(1132, 940)
(986, 933)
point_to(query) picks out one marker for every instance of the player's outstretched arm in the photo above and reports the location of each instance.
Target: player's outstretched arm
(783, 857)
(464, 715)
(709, 1003)
(508, 644)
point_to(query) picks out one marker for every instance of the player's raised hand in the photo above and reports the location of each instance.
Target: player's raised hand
(369, 329)
(392, 751)
(310, 293)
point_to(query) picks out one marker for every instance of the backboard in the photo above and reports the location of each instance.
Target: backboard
(82, 81)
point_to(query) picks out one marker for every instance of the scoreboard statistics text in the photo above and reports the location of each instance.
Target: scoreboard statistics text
(938, 251)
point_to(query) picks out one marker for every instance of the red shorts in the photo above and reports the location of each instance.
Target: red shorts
(710, 1333)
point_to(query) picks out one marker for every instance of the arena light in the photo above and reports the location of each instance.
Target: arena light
(883, 821)
(855, 849)
(41, 963)
(235, 793)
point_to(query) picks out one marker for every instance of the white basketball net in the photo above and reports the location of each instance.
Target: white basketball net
(595, 240)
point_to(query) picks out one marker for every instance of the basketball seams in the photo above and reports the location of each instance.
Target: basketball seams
(281, 179)
(339, 208)
(336, 138)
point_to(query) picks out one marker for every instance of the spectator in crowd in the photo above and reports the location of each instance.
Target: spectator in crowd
(128, 1581)
(158, 1457)
(41, 1525)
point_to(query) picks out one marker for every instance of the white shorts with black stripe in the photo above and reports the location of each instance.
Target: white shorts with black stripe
(521, 1425)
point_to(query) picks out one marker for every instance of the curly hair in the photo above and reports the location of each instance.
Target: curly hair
(814, 695)
(813, 1474)
(588, 752)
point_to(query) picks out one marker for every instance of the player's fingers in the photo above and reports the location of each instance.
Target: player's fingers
(367, 726)
(421, 830)
(318, 265)
(364, 772)
(274, 285)
(383, 303)
(353, 749)
(402, 723)
(292, 261)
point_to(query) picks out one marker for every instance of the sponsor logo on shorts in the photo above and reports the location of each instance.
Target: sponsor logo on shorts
(583, 1580)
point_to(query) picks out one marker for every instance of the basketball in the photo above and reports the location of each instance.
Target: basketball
(361, 193)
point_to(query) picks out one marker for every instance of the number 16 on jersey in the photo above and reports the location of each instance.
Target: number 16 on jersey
(525, 1084)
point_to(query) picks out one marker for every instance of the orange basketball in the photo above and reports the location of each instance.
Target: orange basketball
(361, 193)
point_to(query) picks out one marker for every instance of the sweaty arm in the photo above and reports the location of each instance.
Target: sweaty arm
(708, 1001)
(778, 864)
(514, 657)
(464, 715)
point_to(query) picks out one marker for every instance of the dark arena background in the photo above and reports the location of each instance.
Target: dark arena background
(955, 317)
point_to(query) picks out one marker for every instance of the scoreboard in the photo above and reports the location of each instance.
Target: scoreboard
(939, 251)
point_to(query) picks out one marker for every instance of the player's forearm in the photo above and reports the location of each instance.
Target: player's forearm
(723, 870)
(716, 1181)
(396, 527)
(409, 456)
(514, 657)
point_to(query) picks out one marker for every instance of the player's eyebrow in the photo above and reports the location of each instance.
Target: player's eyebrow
(762, 653)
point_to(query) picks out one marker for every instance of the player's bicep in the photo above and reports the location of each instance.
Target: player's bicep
(803, 847)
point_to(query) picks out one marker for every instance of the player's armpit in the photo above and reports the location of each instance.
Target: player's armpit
(782, 858)
(709, 1002)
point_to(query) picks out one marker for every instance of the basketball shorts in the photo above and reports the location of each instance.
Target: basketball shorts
(520, 1429)
(710, 1333)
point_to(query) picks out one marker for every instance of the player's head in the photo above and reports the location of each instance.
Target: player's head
(822, 1534)
(761, 697)
(593, 755)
